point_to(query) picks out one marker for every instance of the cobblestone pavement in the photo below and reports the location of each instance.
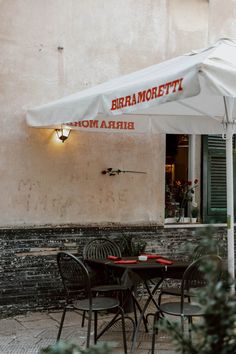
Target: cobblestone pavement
(28, 334)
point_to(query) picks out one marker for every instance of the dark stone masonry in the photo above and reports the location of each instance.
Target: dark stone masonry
(29, 279)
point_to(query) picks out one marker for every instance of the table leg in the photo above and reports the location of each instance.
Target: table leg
(141, 317)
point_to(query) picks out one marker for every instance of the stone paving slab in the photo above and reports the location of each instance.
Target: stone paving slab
(28, 334)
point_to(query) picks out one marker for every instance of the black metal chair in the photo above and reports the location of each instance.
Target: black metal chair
(101, 248)
(76, 281)
(198, 252)
(193, 278)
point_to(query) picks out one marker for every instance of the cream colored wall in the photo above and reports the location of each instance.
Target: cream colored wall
(222, 19)
(43, 182)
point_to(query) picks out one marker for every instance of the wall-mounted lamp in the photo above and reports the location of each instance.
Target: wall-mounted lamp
(63, 134)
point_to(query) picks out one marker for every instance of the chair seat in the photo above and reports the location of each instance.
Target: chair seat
(171, 291)
(109, 287)
(98, 304)
(176, 291)
(174, 308)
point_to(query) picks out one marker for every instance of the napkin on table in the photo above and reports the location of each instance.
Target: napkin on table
(113, 258)
(164, 261)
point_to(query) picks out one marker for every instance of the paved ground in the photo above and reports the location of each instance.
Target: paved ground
(27, 334)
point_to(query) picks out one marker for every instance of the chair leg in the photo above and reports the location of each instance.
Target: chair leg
(116, 318)
(89, 327)
(123, 329)
(182, 324)
(136, 304)
(61, 323)
(95, 326)
(83, 319)
(159, 298)
(135, 311)
(155, 330)
(190, 322)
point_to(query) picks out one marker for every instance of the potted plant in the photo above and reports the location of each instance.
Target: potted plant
(131, 246)
(194, 214)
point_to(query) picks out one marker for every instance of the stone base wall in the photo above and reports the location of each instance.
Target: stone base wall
(29, 278)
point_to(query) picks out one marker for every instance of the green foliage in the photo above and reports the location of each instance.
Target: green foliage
(206, 241)
(131, 246)
(194, 212)
(215, 333)
(63, 347)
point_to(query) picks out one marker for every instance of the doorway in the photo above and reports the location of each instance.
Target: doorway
(176, 172)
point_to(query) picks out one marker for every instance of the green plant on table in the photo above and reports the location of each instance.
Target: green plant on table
(131, 245)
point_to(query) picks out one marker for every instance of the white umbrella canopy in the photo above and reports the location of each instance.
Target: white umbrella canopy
(189, 86)
(191, 94)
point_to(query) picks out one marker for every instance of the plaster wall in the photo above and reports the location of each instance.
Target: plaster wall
(222, 19)
(43, 182)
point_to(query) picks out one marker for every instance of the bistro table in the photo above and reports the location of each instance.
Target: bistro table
(141, 272)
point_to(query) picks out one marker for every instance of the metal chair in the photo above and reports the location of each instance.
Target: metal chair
(101, 248)
(193, 278)
(198, 252)
(76, 281)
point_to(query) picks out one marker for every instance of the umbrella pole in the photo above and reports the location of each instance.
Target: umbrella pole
(230, 200)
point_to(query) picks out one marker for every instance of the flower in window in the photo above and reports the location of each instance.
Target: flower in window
(185, 191)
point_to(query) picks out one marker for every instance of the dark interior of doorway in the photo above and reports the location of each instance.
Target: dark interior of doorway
(176, 171)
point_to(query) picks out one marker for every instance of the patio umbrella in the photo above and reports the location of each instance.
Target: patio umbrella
(191, 94)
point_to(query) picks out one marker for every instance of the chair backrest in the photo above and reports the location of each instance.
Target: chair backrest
(74, 275)
(100, 248)
(200, 251)
(194, 277)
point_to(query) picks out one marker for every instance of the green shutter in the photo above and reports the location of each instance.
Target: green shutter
(214, 179)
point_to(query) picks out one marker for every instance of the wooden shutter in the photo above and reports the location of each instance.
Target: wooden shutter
(214, 179)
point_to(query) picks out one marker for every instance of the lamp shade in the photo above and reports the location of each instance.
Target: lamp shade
(63, 134)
